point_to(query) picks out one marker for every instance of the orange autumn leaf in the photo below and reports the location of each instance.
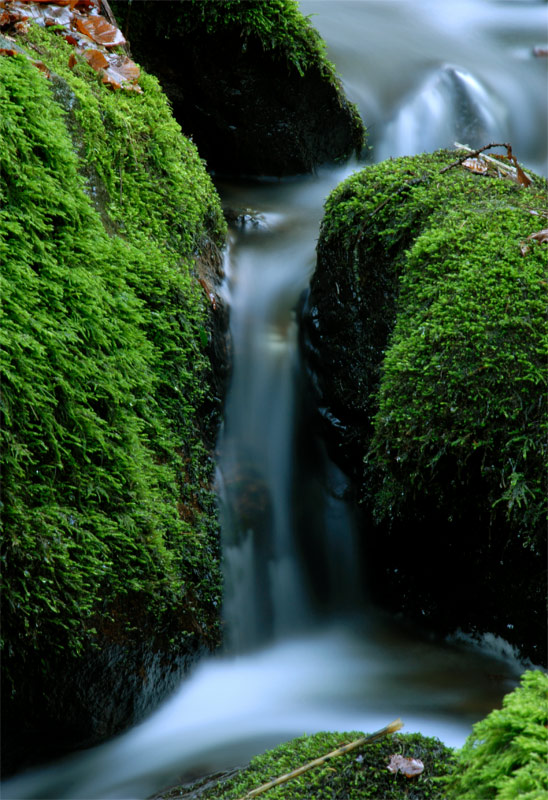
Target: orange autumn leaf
(522, 177)
(122, 73)
(100, 30)
(96, 59)
(125, 67)
(42, 67)
(71, 3)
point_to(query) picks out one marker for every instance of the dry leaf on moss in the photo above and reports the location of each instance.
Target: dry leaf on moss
(410, 767)
(96, 59)
(540, 236)
(100, 30)
(475, 165)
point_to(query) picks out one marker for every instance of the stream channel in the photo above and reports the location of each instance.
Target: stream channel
(305, 651)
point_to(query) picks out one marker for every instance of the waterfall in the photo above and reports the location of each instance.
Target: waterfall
(271, 554)
(414, 67)
(422, 73)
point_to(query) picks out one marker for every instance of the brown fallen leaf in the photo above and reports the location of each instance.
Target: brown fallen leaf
(95, 59)
(540, 236)
(22, 27)
(6, 51)
(475, 165)
(100, 30)
(42, 67)
(410, 767)
(522, 177)
(122, 73)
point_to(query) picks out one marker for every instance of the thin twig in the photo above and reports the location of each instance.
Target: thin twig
(474, 153)
(108, 11)
(346, 748)
(514, 171)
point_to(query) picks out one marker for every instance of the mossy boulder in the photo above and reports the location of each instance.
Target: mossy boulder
(505, 755)
(113, 359)
(361, 774)
(424, 336)
(249, 81)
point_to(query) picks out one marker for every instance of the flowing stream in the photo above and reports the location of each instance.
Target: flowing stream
(305, 651)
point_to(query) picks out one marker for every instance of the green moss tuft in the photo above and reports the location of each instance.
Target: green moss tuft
(279, 24)
(106, 478)
(505, 756)
(277, 28)
(462, 313)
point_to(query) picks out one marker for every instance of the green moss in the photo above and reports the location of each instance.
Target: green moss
(106, 479)
(358, 775)
(505, 755)
(279, 24)
(459, 398)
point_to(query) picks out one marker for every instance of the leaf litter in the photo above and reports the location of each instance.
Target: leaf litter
(83, 26)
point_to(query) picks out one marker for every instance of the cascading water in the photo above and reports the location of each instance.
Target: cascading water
(262, 487)
(423, 75)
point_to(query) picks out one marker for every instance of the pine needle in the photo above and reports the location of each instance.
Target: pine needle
(394, 726)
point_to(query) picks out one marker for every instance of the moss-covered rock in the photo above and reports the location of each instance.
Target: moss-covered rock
(361, 774)
(425, 338)
(110, 561)
(248, 80)
(505, 755)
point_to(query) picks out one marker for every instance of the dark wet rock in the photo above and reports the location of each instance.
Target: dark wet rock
(112, 686)
(422, 336)
(245, 218)
(248, 103)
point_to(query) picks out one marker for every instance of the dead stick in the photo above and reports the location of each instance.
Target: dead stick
(346, 748)
(108, 12)
(475, 153)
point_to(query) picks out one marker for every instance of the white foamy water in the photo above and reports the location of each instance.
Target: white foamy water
(234, 707)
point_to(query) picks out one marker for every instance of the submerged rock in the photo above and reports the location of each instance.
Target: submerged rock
(249, 82)
(425, 341)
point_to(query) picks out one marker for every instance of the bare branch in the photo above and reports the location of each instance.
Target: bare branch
(394, 726)
(475, 153)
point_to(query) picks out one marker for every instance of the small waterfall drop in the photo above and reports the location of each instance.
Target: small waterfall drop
(413, 68)
(265, 517)
(422, 73)
(451, 105)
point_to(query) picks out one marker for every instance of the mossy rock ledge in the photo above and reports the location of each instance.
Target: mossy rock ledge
(249, 81)
(361, 774)
(424, 338)
(114, 359)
